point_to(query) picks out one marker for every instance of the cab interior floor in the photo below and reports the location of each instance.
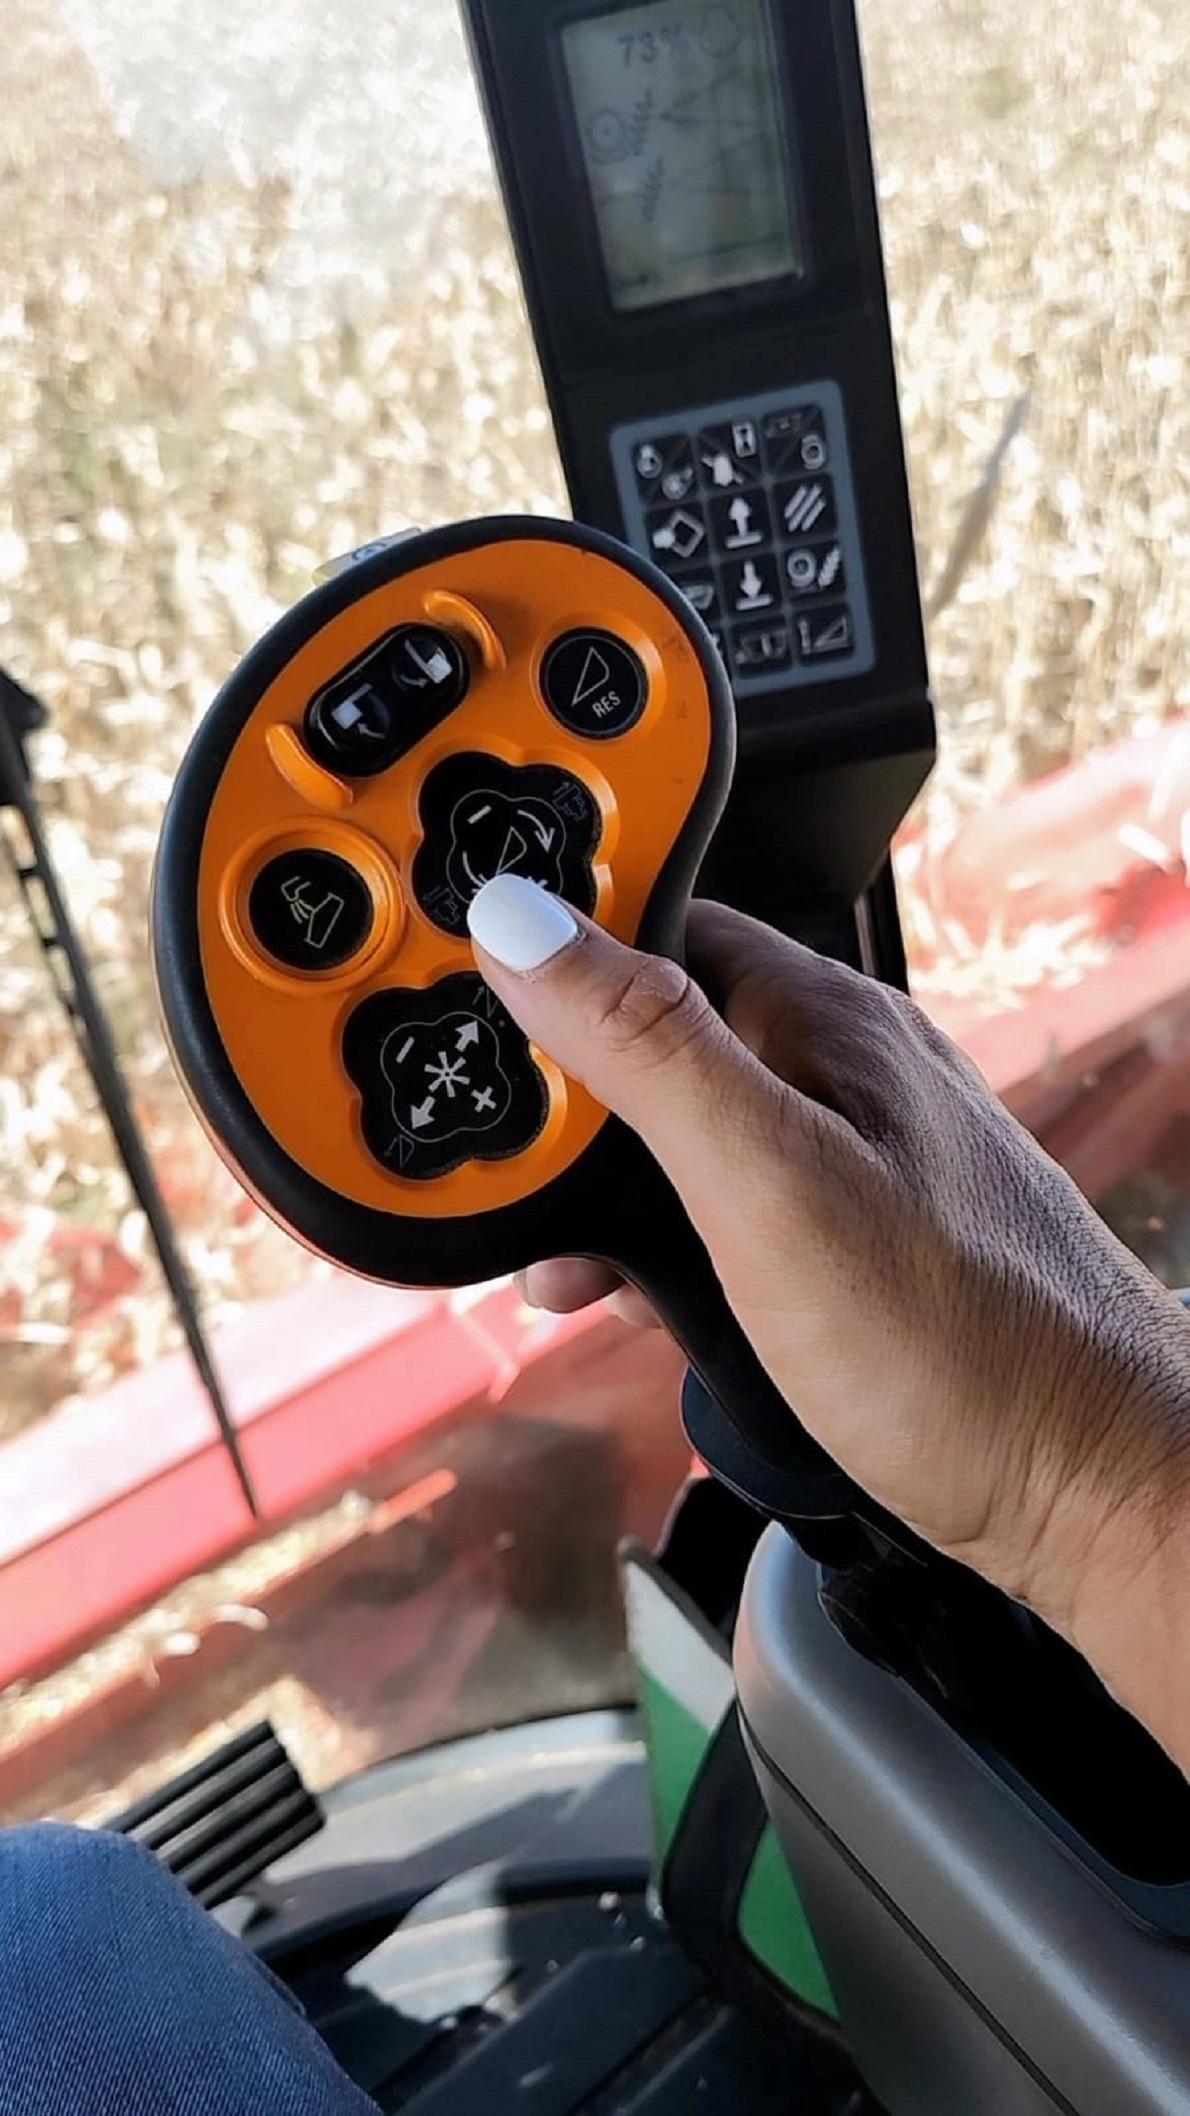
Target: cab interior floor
(471, 1933)
(557, 2006)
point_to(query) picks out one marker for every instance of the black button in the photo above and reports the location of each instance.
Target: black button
(761, 649)
(310, 909)
(594, 684)
(805, 507)
(728, 456)
(700, 588)
(815, 569)
(665, 467)
(386, 701)
(741, 524)
(825, 632)
(794, 439)
(482, 818)
(677, 535)
(444, 1077)
(751, 586)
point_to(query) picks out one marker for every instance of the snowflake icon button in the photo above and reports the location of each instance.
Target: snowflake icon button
(444, 1076)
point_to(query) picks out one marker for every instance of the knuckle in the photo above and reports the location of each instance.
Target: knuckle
(654, 1014)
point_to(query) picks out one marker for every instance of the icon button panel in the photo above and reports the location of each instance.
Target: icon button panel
(310, 909)
(765, 541)
(482, 817)
(444, 1076)
(377, 709)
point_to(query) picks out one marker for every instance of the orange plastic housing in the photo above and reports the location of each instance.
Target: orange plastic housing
(505, 602)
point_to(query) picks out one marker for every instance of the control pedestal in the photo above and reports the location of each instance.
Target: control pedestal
(994, 1858)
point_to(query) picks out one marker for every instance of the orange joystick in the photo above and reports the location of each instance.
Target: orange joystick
(502, 696)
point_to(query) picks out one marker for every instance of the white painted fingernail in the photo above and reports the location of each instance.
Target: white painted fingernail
(519, 923)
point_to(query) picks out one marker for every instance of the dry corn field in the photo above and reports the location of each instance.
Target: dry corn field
(257, 304)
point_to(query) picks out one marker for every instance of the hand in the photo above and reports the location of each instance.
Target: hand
(949, 1316)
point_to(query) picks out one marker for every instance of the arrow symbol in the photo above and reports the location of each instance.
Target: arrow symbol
(753, 595)
(350, 714)
(544, 835)
(428, 656)
(422, 1113)
(468, 1034)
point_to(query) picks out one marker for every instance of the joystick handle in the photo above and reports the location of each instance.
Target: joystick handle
(504, 695)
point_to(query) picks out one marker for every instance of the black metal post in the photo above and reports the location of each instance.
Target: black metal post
(63, 950)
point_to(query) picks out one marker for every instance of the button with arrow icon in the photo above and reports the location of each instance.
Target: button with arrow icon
(374, 711)
(742, 523)
(594, 684)
(750, 585)
(444, 1076)
(482, 817)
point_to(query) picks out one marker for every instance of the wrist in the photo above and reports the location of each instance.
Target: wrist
(1111, 1571)
(1132, 1623)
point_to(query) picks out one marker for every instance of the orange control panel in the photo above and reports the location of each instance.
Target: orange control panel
(522, 700)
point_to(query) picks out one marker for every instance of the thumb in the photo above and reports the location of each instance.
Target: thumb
(637, 1032)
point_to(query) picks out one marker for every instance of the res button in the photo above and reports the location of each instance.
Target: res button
(310, 910)
(594, 684)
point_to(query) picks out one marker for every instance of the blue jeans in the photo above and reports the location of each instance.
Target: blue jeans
(119, 1996)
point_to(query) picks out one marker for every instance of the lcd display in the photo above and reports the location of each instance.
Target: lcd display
(679, 115)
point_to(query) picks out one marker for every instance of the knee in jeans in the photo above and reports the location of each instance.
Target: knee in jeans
(51, 1859)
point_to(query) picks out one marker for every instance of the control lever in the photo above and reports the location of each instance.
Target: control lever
(501, 696)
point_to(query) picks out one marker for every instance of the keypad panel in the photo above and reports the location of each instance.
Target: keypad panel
(749, 507)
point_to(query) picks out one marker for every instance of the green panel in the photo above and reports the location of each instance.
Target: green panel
(772, 1922)
(676, 1744)
(774, 1926)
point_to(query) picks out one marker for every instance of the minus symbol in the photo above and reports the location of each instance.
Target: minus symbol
(405, 1049)
(480, 813)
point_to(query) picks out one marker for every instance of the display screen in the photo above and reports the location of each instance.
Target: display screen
(679, 114)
